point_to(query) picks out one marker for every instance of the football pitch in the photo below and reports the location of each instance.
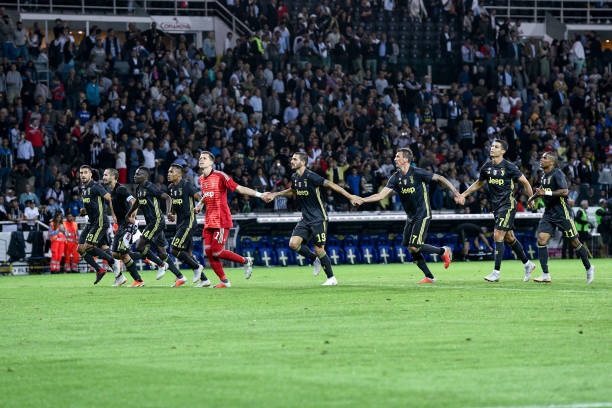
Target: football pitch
(281, 340)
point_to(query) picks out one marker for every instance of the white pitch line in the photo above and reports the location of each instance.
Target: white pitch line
(576, 405)
(440, 286)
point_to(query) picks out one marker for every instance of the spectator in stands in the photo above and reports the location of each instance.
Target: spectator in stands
(74, 205)
(14, 83)
(152, 37)
(25, 151)
(7, 29)
(3, 211)
(15, 213)
(6, 163)
(577, 55)
(28, 195)
(112, 47)
(31, 214)
(35, 40)
(97, 57)
(35, 136)
(56, 193)
(92, 91)
(10, 196)
(53, 207)
(20, 40)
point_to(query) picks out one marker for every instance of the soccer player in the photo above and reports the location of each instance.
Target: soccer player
(306, 185)
(218, 219)
(94, 236)
(183, 193)
(499, 175)
(122, 201)
(411, 184)
(148, 197)
(557, 213)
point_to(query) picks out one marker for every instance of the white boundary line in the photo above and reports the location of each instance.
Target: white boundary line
(576, 405)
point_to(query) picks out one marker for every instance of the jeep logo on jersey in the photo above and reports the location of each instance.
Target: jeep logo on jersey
(209, 194)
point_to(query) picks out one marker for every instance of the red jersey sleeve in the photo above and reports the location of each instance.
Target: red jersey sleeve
(214, 190)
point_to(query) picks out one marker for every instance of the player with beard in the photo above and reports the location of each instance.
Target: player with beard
(500, 175)
(94, 238)
(305, 184)
(122, 201)
(411, 184)
(557, 213)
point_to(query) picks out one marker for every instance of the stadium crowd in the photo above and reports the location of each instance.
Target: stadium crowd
(315, 82)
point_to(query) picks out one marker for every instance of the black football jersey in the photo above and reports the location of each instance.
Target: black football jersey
(307, 188)
(121, 197)
(500, 181)
(93, 200)
(182, 200)
(412, 189)
(555, 180)
(148, 197)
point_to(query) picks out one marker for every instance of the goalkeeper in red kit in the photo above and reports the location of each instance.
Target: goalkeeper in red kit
(218, 219)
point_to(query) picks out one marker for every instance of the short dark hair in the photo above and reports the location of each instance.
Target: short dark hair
(503, 144)
(178, 166)
(302, 156)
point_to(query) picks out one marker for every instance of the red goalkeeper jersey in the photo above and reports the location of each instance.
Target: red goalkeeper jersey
(214, 191)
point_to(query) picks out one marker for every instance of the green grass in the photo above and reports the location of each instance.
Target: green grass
(282, 340)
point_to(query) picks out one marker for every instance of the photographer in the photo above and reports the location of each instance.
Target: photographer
(603, 215)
